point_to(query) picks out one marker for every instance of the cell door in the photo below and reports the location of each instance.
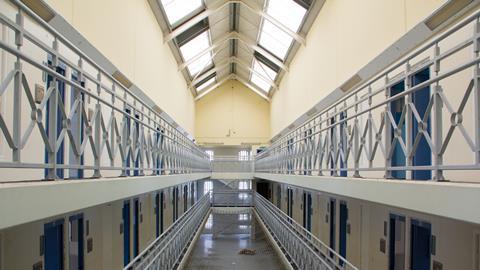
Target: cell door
(159, 213)
(185, 198)
(423, 153)
(58, 122)
(332, 224)
(76, 242)
(343, 231)
(307, 211)
(279, 197)
(396, 108)
(192, 194)
(420, 237)
(53, 254)
(396, 243)
(126, 232)
(289, 202)
(136, 227)
(175, 203)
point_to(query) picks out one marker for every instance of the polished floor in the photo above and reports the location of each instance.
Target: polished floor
(224, 236)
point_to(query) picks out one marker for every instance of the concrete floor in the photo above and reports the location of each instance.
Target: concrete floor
(224, 236)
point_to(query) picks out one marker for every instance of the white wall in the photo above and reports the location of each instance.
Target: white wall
(232, 114)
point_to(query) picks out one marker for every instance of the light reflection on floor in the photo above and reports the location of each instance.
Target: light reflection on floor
(224, 235)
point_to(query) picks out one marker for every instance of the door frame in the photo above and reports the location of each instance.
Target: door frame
(81, 239)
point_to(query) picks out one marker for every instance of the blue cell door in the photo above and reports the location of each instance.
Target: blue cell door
(76, 242)
(396, 246)
(332, 224)
(396, 108)
(136, 227)
(343, 230)
(159, 213)
(421, 234)
(185, 198)
(59, 121)
(421, 98)
(175, 203)
(126, 232)
(279, 197)
(192, 193)
(289, 202)
(53, 256)
(307, 211)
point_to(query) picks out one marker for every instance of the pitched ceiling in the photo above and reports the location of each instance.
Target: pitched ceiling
(252, 41)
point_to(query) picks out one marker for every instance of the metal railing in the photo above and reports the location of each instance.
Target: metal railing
(74, 115)
(167, 251)
(232, 164)
(232, 198)
(303, 249)
(411, 121)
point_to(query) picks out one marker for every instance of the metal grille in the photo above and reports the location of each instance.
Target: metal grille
(232, 164)
(78, 117)
(379, 131)
(167, 251)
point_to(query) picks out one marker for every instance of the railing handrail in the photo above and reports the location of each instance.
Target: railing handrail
(83, 56)
(377, 77)
(307, 234)
(183, 219)
(120, 120)
(361, 131)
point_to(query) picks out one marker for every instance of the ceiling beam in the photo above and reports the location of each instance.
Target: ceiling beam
(248, 67)
(242, 38)
(218, 68)
(211, 88)
(204, 14)
(218, 6)
(251, 87)
(274, 21)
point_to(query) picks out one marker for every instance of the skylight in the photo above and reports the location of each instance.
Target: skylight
(193, 48)
(178, 9)
(290, 14)
(205, 84)
(262, 74)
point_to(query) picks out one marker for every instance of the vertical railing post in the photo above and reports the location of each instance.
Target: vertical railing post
(437, 120)
(52, 118)
(476, 91)
(409, 136)
(356, 141)
(388, 132)
(17, 95)
(98, 130)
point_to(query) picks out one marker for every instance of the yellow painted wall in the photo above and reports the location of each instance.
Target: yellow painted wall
(345, 37)
(232, 109)
(127, 33)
